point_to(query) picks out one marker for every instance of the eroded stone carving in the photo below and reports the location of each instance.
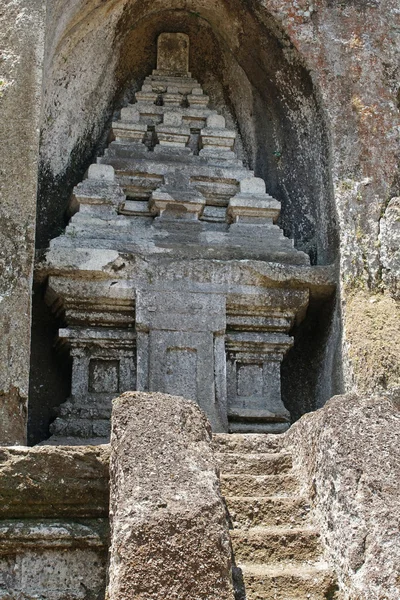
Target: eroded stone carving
(172, 274)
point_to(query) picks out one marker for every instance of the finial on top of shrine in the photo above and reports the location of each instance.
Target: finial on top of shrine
(173, 55)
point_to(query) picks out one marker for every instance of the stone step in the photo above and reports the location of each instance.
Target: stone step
(254, 464)
(246, 427)
(275, 544)
(295, 581)
(249, 443)
(246, 512)
(258, 485)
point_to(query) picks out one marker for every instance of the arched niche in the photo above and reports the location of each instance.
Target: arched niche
(97, 57)
(242, 60)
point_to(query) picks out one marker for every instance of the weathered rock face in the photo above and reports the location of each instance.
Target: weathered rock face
(21, 43)
(348, 455)
(373, 336)
(169, 535)
(53, 523)
(390, 246)
(170, 199)
(260, 86)
(47, 482)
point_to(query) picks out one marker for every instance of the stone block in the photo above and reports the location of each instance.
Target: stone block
(173, 53)
(216, 122)
(347, 456)
(146, 95)
(252, 209)
(252, 185)
(94, 195)
(177, 204)
(102, 172)
(173, 119)
(252, 204)
(127, 131)
(161, 80)
(130, 113)
(169, 309)
(173, 135)
(183, 348)
(46, 482)
(53, 559)
(217, 138)
(169, 536)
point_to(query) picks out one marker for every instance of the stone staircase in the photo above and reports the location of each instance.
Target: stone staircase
(276, 549)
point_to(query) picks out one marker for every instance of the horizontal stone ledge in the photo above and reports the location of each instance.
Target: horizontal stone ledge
(320, 280)
(259, 415)
(17, 536)
(47, 481)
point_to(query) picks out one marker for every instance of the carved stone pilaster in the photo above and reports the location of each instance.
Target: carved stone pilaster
(254, 381)
(103, 366)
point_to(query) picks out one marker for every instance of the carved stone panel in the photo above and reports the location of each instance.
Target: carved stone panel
(173, 53)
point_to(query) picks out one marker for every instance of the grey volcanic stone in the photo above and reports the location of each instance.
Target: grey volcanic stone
(53, 522)
(53, 559)
(169, 534)
(348, 454)
(21, 43)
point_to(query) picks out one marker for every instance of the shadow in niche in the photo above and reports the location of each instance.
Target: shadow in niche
(237, 573)
(50, 375)
(239, 587)
(310, 370)
(252, 72)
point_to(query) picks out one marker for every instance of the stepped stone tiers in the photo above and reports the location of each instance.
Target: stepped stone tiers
(172, 275)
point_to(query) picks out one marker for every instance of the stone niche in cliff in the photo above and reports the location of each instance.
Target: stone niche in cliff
(173, 275)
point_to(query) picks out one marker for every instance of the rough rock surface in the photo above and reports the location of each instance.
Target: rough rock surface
(54, 482)
(313, 87)
(53, 559)
(53, 522)
(348, 455)
(21, 48)
(169, 535)
(373, 338)
(390, 246)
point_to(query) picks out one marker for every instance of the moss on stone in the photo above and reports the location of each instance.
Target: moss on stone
(373, 336)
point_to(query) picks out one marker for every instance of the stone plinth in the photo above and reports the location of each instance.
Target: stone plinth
(169, 537)
(53, 522)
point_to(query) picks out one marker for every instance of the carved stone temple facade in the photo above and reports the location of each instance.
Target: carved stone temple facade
(172, 274)
(199, 208)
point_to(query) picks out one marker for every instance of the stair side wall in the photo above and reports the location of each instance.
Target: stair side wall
(169, 534)
(346, 456)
